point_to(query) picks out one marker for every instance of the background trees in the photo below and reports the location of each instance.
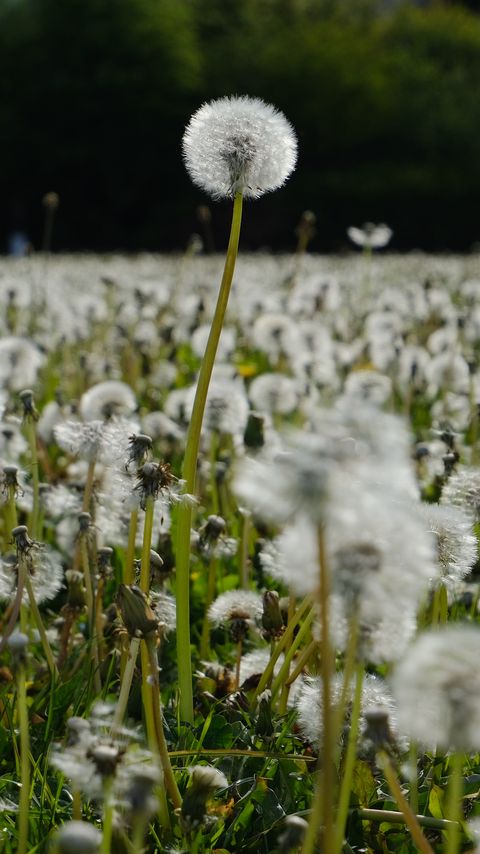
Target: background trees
(94, 96)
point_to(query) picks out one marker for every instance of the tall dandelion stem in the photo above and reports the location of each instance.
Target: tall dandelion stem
(189, 470)
(454, 801)
(24, 805)
(410, 818)
(322, 808)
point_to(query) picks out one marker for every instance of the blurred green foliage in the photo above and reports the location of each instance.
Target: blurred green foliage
(94, 96)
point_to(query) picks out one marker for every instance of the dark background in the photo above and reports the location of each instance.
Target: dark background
(95, 95)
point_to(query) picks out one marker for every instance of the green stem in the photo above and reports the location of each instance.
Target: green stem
(24, 805)
(146, 546)
(169, 777)
(128, 575)
(211, 588)
(454, 802)
(413, 762)
(393, 817)
(87, 494)
(39, 624)
(32, 441)
(107, 816)
(10, 511)
(283, 673)
(87, 576)
(410, 818)
(184, 518)
(284, 641)
(346, 784)
(322, 808)
(126, 684)
(244, 544)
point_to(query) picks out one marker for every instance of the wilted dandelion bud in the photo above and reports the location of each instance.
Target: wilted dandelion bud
(28, 402)
(104, 557)
(84, 522)
(293, 834)
(264, 724)
(21, 539)
(10, 480)
(377, 729)
(272, 620)
(152, 478)
(77, 837)
(204, 781)
(239, 145)
(139, 447)
(136, 613)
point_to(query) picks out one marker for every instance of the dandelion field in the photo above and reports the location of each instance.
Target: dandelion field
(333, 564)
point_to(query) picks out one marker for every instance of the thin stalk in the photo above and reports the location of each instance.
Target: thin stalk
(169, 777)
(454, 802)
(282, 643)
(145, 586)
(211, 588)
(107, 816)
(243, 553)
(238, 662)
(413, 762)
(76, 804)
(11, 519)
(322, 809)
(32, 441)
(147, 545)
(127, 678)
(90, 611)
(24, 805)
(283, 673)
(189, 471)
(348, 671)
(302, 661)
(87, 493)
(410, 818)
(393, 817)
(346, 784)
(39, 624)
(283, 702)
(128, 575)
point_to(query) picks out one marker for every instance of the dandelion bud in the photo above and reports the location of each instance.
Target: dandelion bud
(29, 410)
(213, 528)
(204, 781)
(77, 837)
(84, 521)
(104, 556)
(264, 724)
(136, 613)
(272, 620)
(151, 479)
(239, 145)
(21, 538)
(139, 447)
(377, 730)
(10, 478)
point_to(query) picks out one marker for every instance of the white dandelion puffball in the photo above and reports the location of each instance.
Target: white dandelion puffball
(239, 145)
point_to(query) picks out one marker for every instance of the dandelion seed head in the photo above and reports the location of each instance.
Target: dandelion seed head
(107, 399)
(239, 144)
(437, 688)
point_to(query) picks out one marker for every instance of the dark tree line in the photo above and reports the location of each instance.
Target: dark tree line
(94, 96)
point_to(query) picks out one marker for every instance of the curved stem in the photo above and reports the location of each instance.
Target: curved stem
(169, 777)
(410, 818)
(189, 471)
(32, 441)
